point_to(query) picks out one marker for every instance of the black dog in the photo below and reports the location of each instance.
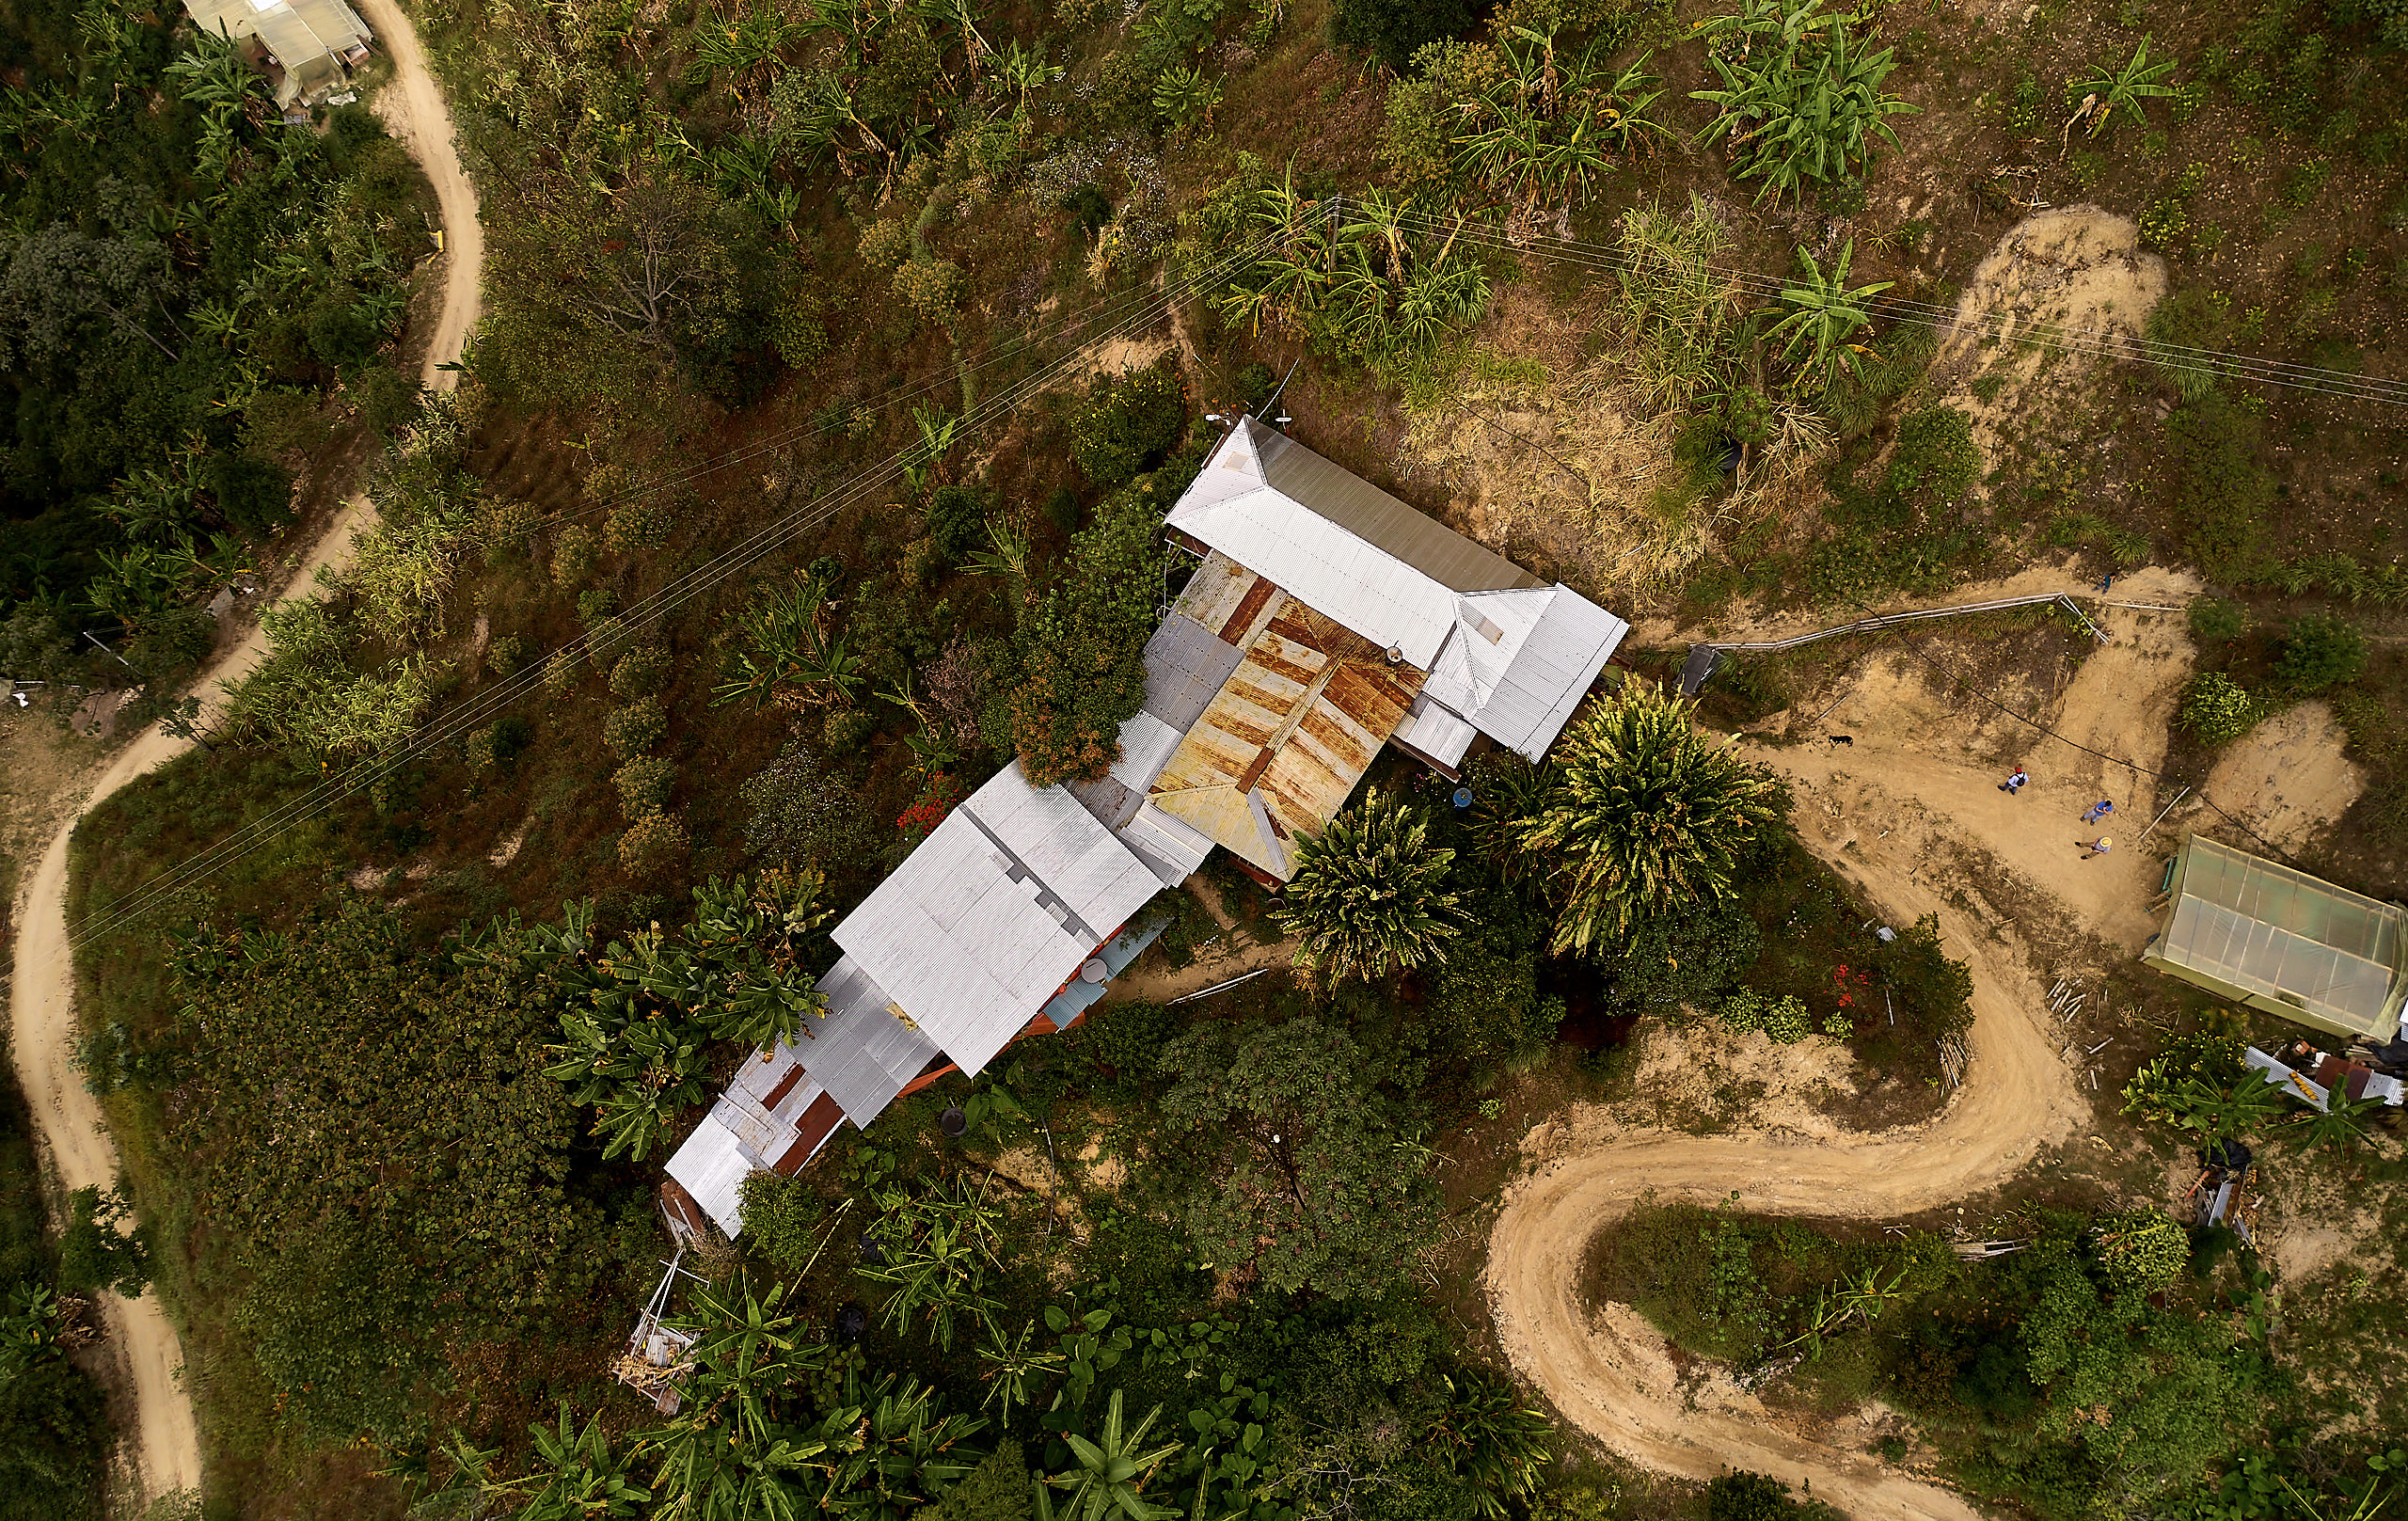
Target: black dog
(1844, 740)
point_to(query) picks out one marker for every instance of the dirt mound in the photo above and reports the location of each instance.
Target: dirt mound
(2058, 285)
(2288, 778)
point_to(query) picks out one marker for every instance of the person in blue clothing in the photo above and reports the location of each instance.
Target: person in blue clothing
(2097, 811)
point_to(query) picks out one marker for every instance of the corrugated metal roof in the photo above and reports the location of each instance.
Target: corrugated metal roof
(993, 913)
(1172, 847)
(1336, 542)
(2283, 936)
(1285, 740)
(1519, 662)
(1435, 731)
(712, 1166)
(309, 39)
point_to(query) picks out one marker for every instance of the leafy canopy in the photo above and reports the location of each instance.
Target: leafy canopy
(1644, 816)
(1369, 896)
(1307, 1162)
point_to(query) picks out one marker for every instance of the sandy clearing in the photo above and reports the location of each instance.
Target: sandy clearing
(414, 110)
(1919, 832)
(164, 1453)
(2288, 778)
(2080, 270)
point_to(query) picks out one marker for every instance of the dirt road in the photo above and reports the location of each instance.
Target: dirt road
(1918, 832)
(166, 1456)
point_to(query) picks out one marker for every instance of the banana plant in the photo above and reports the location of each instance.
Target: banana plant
(743, 46)
(1186, 99)
(1801, 97)
(1824, 315)
(1009, 1365)
(1008, 558)
(2109, 90)
(1112, 1472)
(576, 1475)
(1023, 72)
(789, 652)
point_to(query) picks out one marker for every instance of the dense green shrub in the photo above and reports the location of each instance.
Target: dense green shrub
(1783, 1018)
(652, 844)
(629, 731)
(1076, 672)
(2142, 1250)
(2223, 489)
(2216, 620)
(1751, 1496)
(644, 785)
(2218, 709)
(1911, 530)
(2321, 650)
(640, 671)
(1392, 31)
(1127, 423)
(254, 494)
(956, 518)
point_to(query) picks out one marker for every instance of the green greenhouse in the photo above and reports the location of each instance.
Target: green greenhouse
(2264, 935)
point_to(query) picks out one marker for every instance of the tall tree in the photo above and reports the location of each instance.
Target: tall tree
(1645, 814)
(1314, 1178)
(1368, 896)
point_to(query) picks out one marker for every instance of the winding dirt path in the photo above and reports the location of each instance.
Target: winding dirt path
(166, 1452)
(1919, 832)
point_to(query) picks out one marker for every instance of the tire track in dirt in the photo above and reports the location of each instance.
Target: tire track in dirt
(1916, 834)
(161, 1442)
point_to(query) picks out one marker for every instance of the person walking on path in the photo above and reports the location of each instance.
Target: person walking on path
(2097, 811)
(2014, 781)
(2101, 846)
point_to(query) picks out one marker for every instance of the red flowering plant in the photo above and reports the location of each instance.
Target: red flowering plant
(936, 798)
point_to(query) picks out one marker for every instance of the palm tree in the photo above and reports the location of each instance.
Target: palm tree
(1110, 1473)
(1824, 317)
(1645, 814)
(1366, 900)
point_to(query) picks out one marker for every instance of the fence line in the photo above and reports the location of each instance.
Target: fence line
(1704, 658)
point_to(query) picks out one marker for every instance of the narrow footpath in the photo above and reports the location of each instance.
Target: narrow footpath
(165, 1449)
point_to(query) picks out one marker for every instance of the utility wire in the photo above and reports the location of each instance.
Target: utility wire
(2107, 342)
(623, 629)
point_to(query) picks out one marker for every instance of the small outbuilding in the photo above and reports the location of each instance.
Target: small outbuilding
(2275, 939)
(307, 48)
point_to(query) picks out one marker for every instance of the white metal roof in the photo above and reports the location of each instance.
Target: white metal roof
(1335, 542)
(1510, 657)
(1520, 661)
(993, 913)
(311, 40)
(712, 1166)
(1435, 731)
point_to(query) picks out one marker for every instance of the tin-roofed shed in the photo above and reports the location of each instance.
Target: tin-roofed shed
(2274, 939)
(309, 47)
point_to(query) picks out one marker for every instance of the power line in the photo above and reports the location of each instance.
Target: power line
(623, 628)
(2103, 342)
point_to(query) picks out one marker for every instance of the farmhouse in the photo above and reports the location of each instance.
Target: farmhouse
(1327, 619)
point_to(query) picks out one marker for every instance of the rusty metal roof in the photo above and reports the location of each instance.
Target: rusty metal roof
(1336, 542)
(1290, 732)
